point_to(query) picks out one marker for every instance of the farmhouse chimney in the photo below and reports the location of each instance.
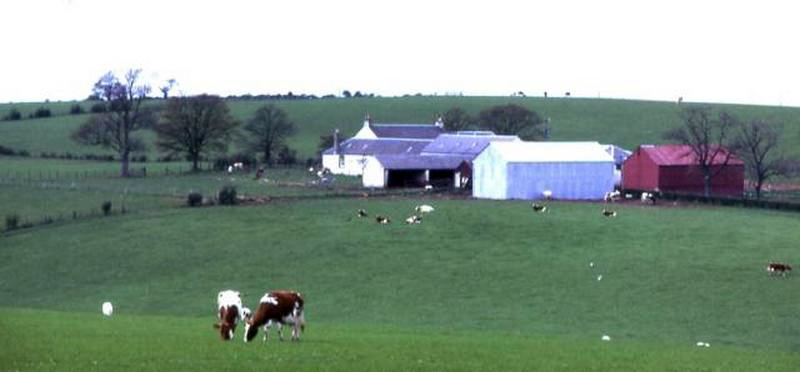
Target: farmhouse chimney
(336, 141)
(367, 121)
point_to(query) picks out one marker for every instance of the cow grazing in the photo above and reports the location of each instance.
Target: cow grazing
(414, 219)
(648, 198)
(424, 208)
(229, 307)
(539, 208)
(382, 220)
(612, 196)
(547, 194)
(362, 213)
(778, 268)
(279, 308)
(609, 213)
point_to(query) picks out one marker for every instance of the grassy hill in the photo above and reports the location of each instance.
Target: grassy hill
(670, 276)
(626, 123)
(480, 285)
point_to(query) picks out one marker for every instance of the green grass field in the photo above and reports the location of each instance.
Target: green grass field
(479, 285)
(627, 123)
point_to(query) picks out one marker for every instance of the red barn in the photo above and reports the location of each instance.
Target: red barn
(674, 168)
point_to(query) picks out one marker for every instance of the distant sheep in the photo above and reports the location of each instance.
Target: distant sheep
(382, 220)
(424, 208)
(609, 213)
(414, 219)
(648, 198)
(612, 196)
(362, 213)
(547, 194)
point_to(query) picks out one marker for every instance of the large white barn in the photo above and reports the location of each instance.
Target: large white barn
(524, 170)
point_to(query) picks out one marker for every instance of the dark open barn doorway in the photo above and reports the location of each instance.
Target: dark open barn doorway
(406, 178)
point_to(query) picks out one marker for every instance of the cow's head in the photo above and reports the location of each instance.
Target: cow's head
(228, 315)
(249, 331)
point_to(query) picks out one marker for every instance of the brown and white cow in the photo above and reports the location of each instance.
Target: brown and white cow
(229, 305)
(278, 307)
(778, 268)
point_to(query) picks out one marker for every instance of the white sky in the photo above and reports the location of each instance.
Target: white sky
(726, 51)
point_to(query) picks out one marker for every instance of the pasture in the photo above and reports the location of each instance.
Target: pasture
(478, 285)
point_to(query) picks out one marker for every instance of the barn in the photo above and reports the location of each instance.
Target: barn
(674, 168)
(524, 170)
(415, 171)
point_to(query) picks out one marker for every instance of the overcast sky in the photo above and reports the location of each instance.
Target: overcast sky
(726, 51)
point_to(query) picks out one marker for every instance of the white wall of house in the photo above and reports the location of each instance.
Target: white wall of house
(350, 165)
(374, 174)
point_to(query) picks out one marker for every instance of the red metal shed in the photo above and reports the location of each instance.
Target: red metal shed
(674, 168)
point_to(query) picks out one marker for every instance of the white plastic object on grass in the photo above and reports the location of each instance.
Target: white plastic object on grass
(108, 309)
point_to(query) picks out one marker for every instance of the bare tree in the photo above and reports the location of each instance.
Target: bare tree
(267, 131)
(195, 126)
(168, 85)
(756, 143)
(124, 115)
(707, 139)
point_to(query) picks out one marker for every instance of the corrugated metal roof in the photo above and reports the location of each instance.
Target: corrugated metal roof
(355, 146)
(419, 131)
(682, 155)
(543, 152)
(419, 161)
(460, 144)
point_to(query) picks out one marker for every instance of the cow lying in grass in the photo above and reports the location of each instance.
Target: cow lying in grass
(279, 308)
(382, 220)
(609, 213)
(539, 208)
(778, 268)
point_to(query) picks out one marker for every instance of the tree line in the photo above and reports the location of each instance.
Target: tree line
(194, 126)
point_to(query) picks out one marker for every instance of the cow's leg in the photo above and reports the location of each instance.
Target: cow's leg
(280, 330)
(266, 331)
(295, 332)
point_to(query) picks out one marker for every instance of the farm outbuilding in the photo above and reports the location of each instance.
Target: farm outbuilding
(524, 170)
(415, 171)
(351, 156)
(674, 168)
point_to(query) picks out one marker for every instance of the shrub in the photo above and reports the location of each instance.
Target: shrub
(227, 196)
(76, 109)
(287, 156)
(195, 199)
(98, 108)
(42, 112)
(13, 114)
(6, 151)
(12, 222)
(106, 207)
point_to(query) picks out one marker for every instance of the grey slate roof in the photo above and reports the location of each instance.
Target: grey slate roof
(464, 145)
(420, 162)
(354, 146)
(419, 131)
